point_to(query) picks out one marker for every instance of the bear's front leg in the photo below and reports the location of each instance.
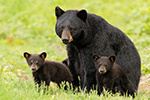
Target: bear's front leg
(99, 81)
(74, 64)
(89, 73)
(89, 80)
(127, 86)
(37, 80)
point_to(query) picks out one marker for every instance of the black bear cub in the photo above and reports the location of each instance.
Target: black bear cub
(110, 76)
(47, 71)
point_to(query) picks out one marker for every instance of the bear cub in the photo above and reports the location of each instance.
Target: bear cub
(47, 71)
(110, 76)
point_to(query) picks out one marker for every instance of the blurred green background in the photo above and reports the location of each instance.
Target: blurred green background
(29, 25)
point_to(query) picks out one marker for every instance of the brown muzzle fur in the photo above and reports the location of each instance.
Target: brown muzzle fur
(66, 37)
(102, 70)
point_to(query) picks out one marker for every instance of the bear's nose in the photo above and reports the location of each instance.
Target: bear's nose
(101, 71)
(33, 68)
(65, 41)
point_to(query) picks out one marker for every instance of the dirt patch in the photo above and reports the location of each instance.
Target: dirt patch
(144, 84)
(23, 77)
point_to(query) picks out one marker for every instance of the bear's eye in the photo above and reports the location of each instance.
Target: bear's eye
(61, 28)
(37, 63)
(71, 28)
(105, 65)
(99, 64)
(31, 62)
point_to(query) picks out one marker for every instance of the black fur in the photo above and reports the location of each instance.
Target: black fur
(91, 34)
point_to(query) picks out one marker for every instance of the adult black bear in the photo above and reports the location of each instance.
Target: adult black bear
(110, 76)
(47, 71)
(86, 34)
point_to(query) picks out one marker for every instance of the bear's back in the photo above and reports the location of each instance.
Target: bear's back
(59, 72)
(117, 70)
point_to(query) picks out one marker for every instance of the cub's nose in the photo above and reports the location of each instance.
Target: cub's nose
(33, 69)
(101, 71)
(65, 41)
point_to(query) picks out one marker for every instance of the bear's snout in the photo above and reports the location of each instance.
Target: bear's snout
(33, 69)
(65, 41)
(66, 36)
(102, 70)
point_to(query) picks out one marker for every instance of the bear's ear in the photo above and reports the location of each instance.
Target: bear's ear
(26, 55)
(65, 62)
(82, 14)
(58, 12)
(95, 57)
(43, 55)
(112, 58)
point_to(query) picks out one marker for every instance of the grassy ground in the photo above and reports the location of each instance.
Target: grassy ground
(29, 25)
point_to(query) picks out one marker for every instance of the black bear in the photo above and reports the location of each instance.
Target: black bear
(86, 34)
(47, 71)
(110, 76)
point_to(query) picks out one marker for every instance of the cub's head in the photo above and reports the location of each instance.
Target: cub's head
(35, 61)
(71, 25)
(103, 64)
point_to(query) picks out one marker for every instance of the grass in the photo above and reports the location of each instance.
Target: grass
(29, 25)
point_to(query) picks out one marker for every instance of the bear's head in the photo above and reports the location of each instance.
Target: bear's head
(103, 64)
(71, 25)
(35, 61)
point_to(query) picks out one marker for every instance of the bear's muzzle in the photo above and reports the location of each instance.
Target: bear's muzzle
(66, 36)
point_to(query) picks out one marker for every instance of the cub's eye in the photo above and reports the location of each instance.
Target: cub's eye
(99, 64)
(105, 65)
(31, 63)
(71, 28)
(37, 63)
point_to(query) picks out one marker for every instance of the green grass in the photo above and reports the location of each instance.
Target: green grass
(29, 25)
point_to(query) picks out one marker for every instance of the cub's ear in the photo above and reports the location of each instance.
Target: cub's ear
(66, 62)
(43, 55)
(58, 12)
(82, 14)
(26, 55)
(95, 57)
(112, 58)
